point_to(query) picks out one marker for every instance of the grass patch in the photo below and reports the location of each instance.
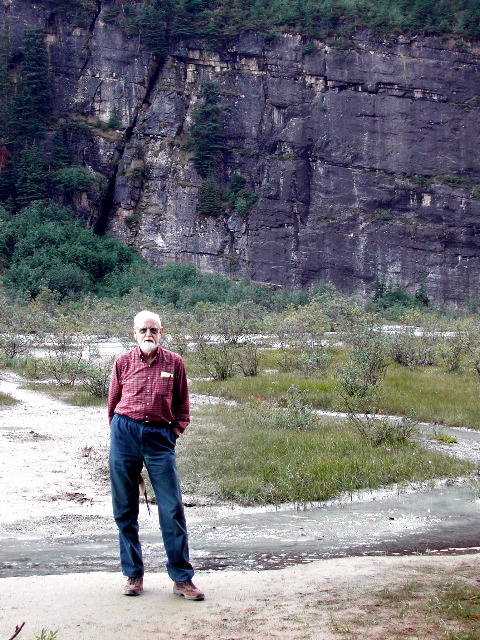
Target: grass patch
(433, 394)
(69, 395)
(273, 387)
(6, 399)
(444, 439)
(84, 399)
(241, 454)
(442, 608)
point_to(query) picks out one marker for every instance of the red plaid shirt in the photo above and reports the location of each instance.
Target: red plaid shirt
(155, 392)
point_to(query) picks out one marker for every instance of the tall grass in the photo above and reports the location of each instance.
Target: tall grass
(241, 454)
(431, 393)
(6, 399)
(69, 395)
(270, 386)
(435, 395)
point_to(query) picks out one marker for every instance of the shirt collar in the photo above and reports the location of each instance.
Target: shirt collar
(140, 355)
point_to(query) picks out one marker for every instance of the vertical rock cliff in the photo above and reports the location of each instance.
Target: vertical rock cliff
(362, 163)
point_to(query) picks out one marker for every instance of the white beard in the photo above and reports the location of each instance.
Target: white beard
(148, 347)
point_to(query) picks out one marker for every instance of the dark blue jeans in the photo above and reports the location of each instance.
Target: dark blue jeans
(133, 443)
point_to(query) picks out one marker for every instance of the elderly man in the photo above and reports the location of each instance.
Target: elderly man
(148, 408)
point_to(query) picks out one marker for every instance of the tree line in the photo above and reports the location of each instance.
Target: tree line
(216, 21)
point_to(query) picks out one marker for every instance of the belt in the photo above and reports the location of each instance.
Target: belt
(154, 423)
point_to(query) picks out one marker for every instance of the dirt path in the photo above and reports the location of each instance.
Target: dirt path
(332, 599)
(44, 458)
(49, 489)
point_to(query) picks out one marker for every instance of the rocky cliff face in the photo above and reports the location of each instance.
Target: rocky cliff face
(364, 162)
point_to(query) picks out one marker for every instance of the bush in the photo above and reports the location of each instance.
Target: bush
(333, 305)
(16, 328)
(96, 379)
(71, 180)
(379, 430)
(218, 360)
(370, 349)
(66, 370)
(237, 197)
(414, 346)
(297, 414)
(44, 246)
(247, 358)
(299, 333)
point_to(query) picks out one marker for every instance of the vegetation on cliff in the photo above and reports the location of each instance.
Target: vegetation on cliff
(40, 175)
(165, 21)
(217, 20)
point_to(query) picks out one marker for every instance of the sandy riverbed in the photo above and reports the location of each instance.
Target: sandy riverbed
(49, 482)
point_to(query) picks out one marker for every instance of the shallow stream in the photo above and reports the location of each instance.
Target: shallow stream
(445, 519)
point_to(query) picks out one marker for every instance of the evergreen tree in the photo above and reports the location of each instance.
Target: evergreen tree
(210, 200)
(154, 21)
(470, 24)
(5, 85)
(60, 155)
(31, 182)
(31, 104)
(183, 21)
(206, 131)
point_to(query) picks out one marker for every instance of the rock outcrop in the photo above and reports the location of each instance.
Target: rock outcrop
(364, 161)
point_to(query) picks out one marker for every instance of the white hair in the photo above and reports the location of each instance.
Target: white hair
(146, 315)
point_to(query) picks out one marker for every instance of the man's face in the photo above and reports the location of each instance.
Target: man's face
(147, 335)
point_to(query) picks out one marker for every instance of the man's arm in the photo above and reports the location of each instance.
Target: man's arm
(180, 400)
(114, 392)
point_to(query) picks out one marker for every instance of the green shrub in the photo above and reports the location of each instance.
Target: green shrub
(237, 197)
(247, 358)
(218, 360)
(70, 180)
(47, 635)
(43, 245)
(415, 347)
(66, 370)
(96, 379)
(297, 413)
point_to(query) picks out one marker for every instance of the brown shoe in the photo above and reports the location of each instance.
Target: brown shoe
(188, 590)
(134, 587)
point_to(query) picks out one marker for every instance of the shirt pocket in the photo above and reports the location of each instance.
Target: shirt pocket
(165, 382)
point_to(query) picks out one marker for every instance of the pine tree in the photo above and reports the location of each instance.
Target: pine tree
(5, 84)
(31, 104)
(206, 131)
(154, 27)
(210, 202)
(31, 180)
(60, 156)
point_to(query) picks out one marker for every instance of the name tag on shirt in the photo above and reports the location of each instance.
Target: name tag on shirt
(166, 374)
